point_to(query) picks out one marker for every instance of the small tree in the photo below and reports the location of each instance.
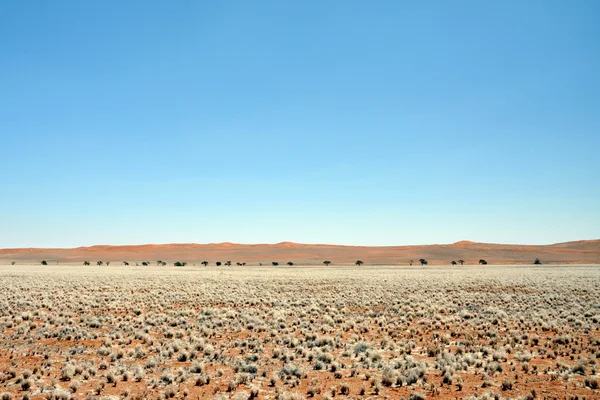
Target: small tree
(180, 264)
(461, 262)
(205, 263)
(125, 263)
(228, 263)
(108, 263)
(244, 264)
(145, 263)
(411, 262)
(218, 263)
(86, 263)
(423, 261)
(13, 262)
(99, 263)
(537, 261)
(327, 262)
(275, 263)
(482, 262)
(359, 263)
(44, 262)
(290, 263)
(453, 263)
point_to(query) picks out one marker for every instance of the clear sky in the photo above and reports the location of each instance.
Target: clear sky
(347, 122)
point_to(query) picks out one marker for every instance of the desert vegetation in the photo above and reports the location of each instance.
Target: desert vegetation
(180, 263)
(303, 332)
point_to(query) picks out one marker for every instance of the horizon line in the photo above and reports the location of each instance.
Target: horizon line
(295, 243)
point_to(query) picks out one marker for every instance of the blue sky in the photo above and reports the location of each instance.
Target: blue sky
(348, 122)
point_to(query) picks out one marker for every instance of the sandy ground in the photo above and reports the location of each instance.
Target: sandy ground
(299, 332)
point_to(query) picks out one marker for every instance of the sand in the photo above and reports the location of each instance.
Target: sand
(583, 252)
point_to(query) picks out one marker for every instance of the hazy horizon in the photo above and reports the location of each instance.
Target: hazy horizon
(300, 243)
(344, 122)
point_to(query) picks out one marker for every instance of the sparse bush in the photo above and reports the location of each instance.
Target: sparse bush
(25, 384)
(417, 396)
(67, 372)
(111, 378)
(74, 386)
(507, 384)
(592, 383)
(345, 389)
(291, 370)
(167, 378)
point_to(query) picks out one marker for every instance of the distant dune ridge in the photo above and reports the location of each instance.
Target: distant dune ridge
(583, 251)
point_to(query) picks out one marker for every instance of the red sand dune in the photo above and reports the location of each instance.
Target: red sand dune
(584, 252)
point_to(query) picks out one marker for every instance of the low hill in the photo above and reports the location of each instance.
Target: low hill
(584, 252)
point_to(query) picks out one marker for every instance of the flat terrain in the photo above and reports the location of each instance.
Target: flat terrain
(301, 332)
(582, 252)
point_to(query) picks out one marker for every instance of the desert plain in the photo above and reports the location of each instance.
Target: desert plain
(300, 332)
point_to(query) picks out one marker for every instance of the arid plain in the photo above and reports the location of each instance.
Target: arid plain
(298, 332)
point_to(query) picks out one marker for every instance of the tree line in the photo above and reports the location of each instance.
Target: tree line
(422, 261)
